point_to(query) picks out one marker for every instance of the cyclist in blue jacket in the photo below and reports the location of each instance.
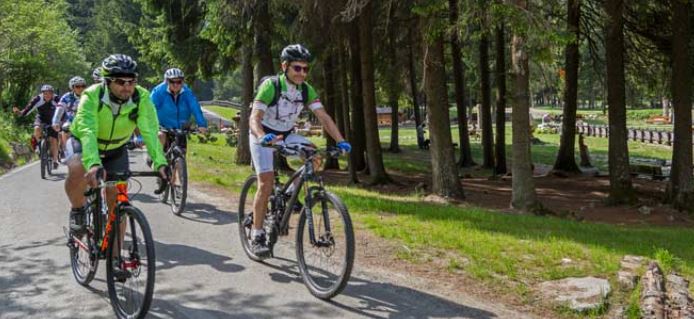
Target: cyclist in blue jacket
(175, 103)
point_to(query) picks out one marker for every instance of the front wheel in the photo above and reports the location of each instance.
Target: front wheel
(179, 186)
(43, 154)
(130, 265)
(325, 264)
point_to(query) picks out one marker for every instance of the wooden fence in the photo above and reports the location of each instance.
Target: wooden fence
(651, 136)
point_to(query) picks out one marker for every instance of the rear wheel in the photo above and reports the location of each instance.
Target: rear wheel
(325, 265)
(248, 191)
(179, 186)
(131, 265)
(84, 257)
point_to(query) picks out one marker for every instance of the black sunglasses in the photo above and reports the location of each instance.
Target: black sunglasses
(175, 81)
(122, 82)
(298, 68)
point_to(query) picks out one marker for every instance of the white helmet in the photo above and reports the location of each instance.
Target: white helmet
(75, 81)
(46, 87)
(173, 73)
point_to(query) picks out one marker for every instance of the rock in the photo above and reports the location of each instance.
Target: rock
(632, 263)
(566, 261)
(579, 294)
(627, 280)
(628, 275)
(653, 293)
(680, 305)
(645, 210)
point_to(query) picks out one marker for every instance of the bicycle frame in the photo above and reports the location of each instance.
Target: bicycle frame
(113, 216)
(305, 174)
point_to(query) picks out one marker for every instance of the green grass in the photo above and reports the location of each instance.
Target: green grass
(415, 161)
(507, 251)
(225, 112)
(10, 132)
(635, 118)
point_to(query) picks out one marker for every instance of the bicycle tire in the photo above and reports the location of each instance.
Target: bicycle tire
(180, 170)
(43, 158)
(89, 245)
(164, 196)
(244, 230)
(328, 291)
(132, 215)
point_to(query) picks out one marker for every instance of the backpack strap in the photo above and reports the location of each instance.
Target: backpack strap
(304, 93)
(278, 90)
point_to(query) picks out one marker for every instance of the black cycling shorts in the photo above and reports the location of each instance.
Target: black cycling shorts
(49, 129)
(113, 161)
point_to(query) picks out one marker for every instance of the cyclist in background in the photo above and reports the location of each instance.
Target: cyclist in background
(67, 108)
(96, 75)
(175, 103)
(45, 105)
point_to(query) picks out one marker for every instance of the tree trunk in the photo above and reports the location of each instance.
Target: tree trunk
(345, 127)
(331, 101)
(373, 143)
(459, 86)
(393, 86)
(500, 145)
(523, 186)
(262, 25)
(621, 190)
(566, 158)
(445, 181)
(358, 137)
(681, 189)
(243, 151)
(486, 107)
(394, 123)
(413, 86)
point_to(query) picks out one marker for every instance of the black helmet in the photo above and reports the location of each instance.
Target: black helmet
(119, 65)
(295, 52)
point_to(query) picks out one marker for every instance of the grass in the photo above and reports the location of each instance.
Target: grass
(225, 112)
(636, 118)
(415, 161)
(509, 252)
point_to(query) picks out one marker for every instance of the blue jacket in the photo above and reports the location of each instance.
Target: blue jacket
(174, 112)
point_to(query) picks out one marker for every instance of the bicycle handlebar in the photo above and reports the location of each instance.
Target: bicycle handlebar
(303, 149)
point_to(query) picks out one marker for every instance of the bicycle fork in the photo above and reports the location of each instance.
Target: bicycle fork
(326, 239)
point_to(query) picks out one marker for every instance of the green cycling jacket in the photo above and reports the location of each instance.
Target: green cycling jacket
(98, 129)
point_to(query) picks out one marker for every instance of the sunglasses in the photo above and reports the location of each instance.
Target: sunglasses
(299, 68)
(80, 86)
(123, 82)
(176, 81)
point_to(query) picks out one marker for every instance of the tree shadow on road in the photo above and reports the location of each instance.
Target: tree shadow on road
(208, 214)
(384, 300)
(177, 255)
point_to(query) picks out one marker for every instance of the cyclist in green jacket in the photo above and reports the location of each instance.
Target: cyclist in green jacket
(107, 115)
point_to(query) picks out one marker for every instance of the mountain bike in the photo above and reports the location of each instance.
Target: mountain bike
(324, 231)
(176, 157)
(123, 238)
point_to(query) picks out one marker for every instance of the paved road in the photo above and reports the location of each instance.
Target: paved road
(201, 269)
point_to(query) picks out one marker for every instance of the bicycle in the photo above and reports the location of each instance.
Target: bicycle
(45, 152)
(324, 223)
(175, 154)
(133, 253)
